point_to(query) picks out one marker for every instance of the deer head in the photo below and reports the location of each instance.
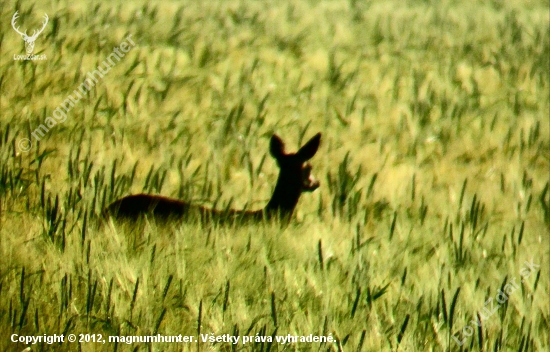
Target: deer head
(29, 40)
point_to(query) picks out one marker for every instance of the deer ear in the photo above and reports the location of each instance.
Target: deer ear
(277, 147)
(310, 148)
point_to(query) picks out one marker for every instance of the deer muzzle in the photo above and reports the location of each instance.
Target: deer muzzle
(309, 183)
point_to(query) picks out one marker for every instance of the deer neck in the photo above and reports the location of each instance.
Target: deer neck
(284, 198)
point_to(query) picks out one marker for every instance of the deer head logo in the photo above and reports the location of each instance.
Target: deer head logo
(29, 40)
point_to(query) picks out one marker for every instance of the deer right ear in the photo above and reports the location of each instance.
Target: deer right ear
(309, 149)
(277, 147)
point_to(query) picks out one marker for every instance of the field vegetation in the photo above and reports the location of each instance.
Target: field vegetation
(429, 232)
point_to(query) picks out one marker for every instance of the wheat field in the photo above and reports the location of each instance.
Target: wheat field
(429, 232)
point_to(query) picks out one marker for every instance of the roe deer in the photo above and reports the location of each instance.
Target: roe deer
(294, 178)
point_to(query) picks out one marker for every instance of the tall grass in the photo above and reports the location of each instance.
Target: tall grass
(433, 166)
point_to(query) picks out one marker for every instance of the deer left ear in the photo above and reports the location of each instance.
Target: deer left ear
(309, 149)
(277, 147)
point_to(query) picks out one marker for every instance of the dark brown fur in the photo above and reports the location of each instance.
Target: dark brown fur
(294, 178)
